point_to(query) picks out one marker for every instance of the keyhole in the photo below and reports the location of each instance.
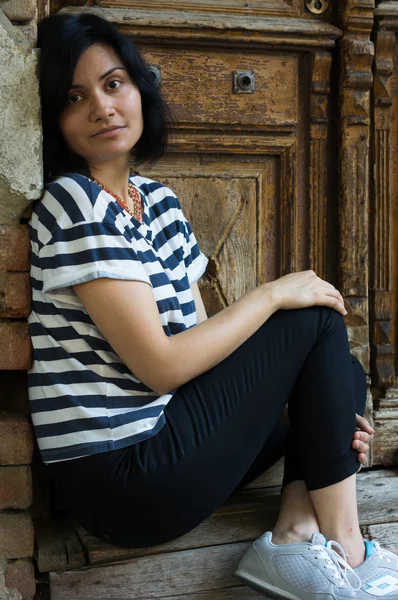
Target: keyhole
(318, 4)
(245, 81)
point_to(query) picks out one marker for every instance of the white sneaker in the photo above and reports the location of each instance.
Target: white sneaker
(379, 574)
(302, 571)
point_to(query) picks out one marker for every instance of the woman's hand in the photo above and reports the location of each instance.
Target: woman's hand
(362, 437)
(304, 289)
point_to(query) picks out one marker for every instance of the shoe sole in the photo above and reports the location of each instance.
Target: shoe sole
(266, 589)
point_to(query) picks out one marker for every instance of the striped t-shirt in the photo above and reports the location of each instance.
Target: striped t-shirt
(83, 399)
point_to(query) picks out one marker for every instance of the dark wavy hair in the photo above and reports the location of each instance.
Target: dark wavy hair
(62, 40)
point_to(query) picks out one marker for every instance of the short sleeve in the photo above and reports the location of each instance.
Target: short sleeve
(87, 251)
(195, 261)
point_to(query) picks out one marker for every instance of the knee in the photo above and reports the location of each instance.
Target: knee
(334, 323)
(327, 319)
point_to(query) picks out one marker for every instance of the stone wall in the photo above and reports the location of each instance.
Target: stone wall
(20, 183)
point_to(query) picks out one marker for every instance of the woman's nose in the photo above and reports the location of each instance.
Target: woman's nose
(101, 106)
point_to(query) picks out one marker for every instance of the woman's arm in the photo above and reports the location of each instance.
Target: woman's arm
(201, 314)
(126, 314)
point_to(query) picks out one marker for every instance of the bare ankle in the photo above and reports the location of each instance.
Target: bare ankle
(294, 533)
(353, 546)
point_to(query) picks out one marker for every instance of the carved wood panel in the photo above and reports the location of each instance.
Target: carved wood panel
(239, 206)
(384, 249)
(253, 7)
(198, 85)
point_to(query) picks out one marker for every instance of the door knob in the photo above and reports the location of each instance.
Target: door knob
(317, 6)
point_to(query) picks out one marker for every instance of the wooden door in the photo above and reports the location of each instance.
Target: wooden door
(280, 177)
(250, 166)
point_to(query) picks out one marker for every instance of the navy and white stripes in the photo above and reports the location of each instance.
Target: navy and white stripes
(83, 399)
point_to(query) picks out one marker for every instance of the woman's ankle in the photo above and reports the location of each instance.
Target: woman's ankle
(294, 533)
(353, 546)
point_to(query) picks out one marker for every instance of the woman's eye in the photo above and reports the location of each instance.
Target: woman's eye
(114, 84)
(74, 99)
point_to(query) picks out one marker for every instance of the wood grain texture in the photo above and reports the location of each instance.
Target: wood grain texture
(225, 29)
(387, 533)
(319, 163)
(385, 445)
(383, 352)
(254, 227)
(283, 8)
(198, 86)
(58, 546)
(384, 293)
(206, 572)
(177, 573)
(244, 517)
(356, 58)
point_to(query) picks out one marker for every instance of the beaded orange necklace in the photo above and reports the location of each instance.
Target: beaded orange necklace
(135, 196)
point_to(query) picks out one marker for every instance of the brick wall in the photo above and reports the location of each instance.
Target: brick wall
(20, 183)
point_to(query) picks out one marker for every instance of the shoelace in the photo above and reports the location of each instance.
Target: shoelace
(337, 564)
(389, 556)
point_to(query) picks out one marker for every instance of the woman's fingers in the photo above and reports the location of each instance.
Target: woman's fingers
(304, 289)
(361, 444)
(332, 299)
(363, 436)
(364, 424)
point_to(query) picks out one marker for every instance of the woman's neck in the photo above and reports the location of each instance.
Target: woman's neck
(113, 175)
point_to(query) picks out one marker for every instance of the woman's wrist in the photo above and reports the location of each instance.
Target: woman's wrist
(270, 297)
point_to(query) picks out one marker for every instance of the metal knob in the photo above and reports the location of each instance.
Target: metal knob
(244, 82)
(156, 74)
(317, 6)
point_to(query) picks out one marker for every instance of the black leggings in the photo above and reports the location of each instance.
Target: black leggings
(222, 430)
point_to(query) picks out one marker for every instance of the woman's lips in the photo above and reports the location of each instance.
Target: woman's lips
(108, 132)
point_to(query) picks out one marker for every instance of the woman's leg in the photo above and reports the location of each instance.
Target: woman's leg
(298, 519)
(336, 510)
(216, 426)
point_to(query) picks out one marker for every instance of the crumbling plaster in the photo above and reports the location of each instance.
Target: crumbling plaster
(21, 171)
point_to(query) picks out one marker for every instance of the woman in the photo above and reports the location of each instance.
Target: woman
(148, 414)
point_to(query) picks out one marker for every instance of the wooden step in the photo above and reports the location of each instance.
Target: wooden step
(205, 559)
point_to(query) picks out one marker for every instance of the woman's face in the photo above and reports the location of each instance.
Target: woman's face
(103, 117)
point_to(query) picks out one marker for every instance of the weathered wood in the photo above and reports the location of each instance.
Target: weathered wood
(319, 169)
(58, 546)
(383, 368)
(384, 295)
(198, 571)
(283, 8)
(356, 58)
(211, 100)
(253, 227)
(377, 497)
(175, 26)
(244, 517)
(234, 593)
(385, 445)
(251, 512)
(178, 573)
(386, 534)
